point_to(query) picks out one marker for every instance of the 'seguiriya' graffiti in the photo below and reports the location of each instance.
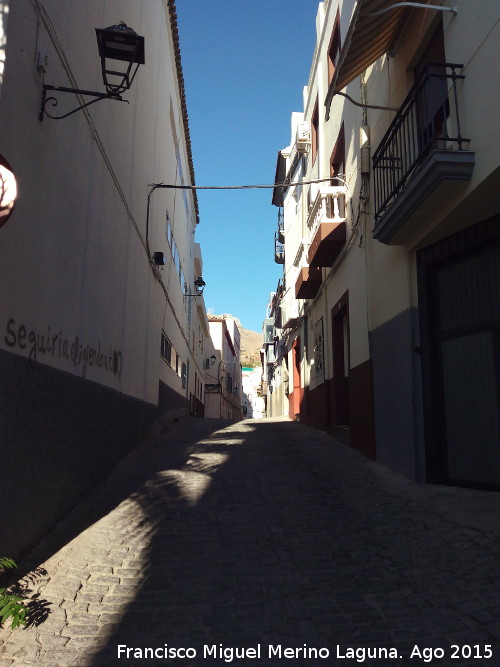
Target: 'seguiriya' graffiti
(56, 345)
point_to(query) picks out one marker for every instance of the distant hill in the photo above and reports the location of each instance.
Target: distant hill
(251, 344)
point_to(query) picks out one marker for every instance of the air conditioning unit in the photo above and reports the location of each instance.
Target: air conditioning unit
(303, 140)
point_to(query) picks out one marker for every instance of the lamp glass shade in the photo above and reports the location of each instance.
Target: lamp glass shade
(119, 42)
(199, 283)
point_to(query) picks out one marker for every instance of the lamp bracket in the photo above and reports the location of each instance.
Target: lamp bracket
(62, 89)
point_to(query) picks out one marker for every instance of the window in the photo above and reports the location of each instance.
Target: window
(169, 354)
(168, 231)
(166, 348)
(334, 48)
(337, 168)
(314, 132)
(337, 159)
(175, 255)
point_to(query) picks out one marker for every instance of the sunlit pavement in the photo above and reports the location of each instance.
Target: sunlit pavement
(264, 543)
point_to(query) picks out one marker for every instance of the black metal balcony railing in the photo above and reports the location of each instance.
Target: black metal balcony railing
(281, 226)
(419, 128)
(279, 250)
(281, 221)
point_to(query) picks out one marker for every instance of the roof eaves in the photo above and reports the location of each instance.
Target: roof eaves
(182, 93)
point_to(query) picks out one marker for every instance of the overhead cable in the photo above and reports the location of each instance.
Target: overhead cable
(243, 187)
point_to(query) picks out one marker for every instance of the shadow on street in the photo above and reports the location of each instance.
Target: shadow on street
(269, 533)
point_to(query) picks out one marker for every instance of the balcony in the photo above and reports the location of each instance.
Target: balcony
(327, 224)
(279, 251)
(281, 226)
(421, 159)
(308, 282)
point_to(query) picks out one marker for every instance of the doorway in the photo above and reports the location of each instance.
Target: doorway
(340, 355)
(459, 292)
(297, 393)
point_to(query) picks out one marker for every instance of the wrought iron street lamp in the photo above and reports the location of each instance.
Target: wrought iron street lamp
(120, 48)
(199, 285)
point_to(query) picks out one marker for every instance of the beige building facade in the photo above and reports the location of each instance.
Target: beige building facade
(102, 327)
(253, 405)
(275, 384)
(223, 376)
(389, 316)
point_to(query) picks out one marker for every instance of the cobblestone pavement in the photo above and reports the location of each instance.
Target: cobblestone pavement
(262, 536)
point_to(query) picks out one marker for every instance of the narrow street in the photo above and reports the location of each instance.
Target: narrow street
(264, 543)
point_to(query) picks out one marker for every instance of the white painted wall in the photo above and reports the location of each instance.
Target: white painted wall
(224, 404)
(73, 257)
(79, 293)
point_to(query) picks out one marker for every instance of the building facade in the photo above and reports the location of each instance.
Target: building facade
(275, 385)
(223, 379)
(101, 325)
(252, 400)
(390, 310)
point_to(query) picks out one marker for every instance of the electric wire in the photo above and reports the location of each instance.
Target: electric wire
(244, 187)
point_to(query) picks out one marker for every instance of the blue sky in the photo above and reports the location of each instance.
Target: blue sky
(245, 65)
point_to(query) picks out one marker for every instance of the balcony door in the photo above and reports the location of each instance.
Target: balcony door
(432, 106)
(337, 158)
